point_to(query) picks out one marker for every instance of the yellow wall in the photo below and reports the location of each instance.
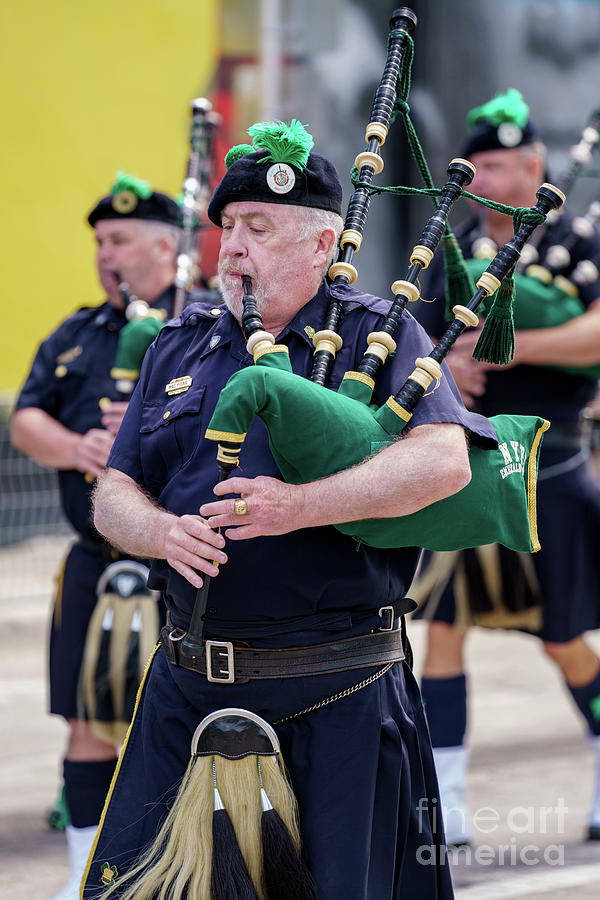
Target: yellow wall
(88, 87)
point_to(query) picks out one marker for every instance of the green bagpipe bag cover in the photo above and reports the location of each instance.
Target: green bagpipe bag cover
(134, 340)
(315, 432)
(539, 305)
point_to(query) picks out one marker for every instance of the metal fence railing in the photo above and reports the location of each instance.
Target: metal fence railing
(33, 530)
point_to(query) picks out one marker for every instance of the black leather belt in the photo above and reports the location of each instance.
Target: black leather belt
(223, 662)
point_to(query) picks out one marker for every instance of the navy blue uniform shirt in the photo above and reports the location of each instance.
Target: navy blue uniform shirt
(69, 376)
(270, 585)
(526, 390)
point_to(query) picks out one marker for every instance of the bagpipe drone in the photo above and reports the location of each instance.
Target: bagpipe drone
(315, 432)
(144, 323)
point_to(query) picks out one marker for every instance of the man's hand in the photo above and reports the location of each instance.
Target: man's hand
(272, 507)
(112, 415)
(137, 525)
(92, 450)
(469, 374)
(189, 543)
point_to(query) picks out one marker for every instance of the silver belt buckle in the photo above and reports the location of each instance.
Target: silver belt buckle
(386, 614)
(224, 652)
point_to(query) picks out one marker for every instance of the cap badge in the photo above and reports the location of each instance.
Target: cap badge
(281, 178)
(124, 202)
(509, 134)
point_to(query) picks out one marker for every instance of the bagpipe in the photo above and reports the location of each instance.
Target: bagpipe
(315, 432)
(196, 193)
(547, 281)
(144, 322)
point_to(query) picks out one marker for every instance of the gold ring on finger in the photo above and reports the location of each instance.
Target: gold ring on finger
(240, 507)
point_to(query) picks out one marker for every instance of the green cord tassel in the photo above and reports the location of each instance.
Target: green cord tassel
(460, 286)
(496, 342)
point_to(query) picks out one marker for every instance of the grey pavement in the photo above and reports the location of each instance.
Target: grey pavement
(530, 780)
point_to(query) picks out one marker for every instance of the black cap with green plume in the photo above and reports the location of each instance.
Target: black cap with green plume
(501, 123)
(133, 198)
(278, 167)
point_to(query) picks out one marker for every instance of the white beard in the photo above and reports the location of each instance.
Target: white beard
(233, 299)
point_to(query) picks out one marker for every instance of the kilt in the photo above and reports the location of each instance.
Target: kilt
(554, 593)
(361, 768)
(70, 639)
(73, 607)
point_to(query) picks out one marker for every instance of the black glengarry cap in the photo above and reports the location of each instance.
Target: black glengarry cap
(279, 167)
(501, 123)
(132, 198)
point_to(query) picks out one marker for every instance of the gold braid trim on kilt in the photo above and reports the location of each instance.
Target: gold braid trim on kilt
(59, 579)
(118, 767)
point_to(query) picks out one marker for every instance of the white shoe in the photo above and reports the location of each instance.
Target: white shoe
(593, 819)
(79, 843)
(451, 767)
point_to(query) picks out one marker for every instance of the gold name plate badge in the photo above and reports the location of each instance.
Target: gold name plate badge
(178, 385)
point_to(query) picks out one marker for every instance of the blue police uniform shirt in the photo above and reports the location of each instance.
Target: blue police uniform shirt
(274, 585)
(69, 376)
(525, 390)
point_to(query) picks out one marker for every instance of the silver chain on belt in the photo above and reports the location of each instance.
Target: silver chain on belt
(339, 696)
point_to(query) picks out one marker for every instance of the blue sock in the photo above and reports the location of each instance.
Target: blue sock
(587, 699)
(86, 787)
(445, 701)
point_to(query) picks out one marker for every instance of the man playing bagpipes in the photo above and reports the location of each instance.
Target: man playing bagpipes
(554, 373)
(67, 415)
(289, 595)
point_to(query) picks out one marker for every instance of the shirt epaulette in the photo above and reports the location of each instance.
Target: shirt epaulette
(208, 309)
(82, 317)
(353, 298)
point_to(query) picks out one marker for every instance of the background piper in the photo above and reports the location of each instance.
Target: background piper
(563, 577)
(67, 415)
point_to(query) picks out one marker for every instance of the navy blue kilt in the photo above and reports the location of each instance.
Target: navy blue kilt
(361, 768)
(73, 608)
(566, 567)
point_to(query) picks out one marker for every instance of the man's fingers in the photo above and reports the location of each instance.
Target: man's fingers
(196, 554)
(235, 485)
(200, 530)
(243, 532)
(188, 573)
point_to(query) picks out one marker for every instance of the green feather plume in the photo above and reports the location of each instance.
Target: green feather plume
(284, 143)
(127, 182)
(237, 152)
(507, 107)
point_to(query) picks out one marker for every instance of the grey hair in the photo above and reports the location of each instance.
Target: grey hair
(163, 229)
(536, 148)
(312, 221)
